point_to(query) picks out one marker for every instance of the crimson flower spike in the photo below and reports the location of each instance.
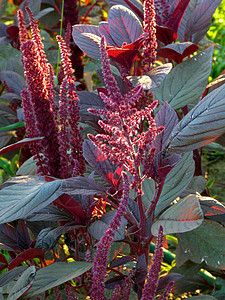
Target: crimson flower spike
(104, 245)
(22, 27)
(153, 276)
(150, 44)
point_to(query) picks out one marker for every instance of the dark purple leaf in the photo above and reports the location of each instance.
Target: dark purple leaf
(177, 51)
(13, 32)
(103, 29)
(112, 282)
(165, 35)
(135, 5)
(17, 201)
(28, 254)
(153, 78)
(11, 275)
(121, 261)
(23, 237)
(212, 207)
(97, 160)
(87, 43)
(19, 144)
(82, 185)
(190, 284)
(14, 81)
(48, 237)
(167, 118)
(8, 237)
(124, 26)
(202, 125)
(141, 269)
(89, 100)
(50, 213)
(200, 20)
(165, 280)
(175, 19)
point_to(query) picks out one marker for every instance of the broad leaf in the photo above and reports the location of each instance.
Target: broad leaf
(98, 228)
(11, 275)
(187, 81)
(48, 237)
(29, 167)
(20, 200)
(98, 161)
(22, 284)
(176, 181)
(124, 26)
(89, 100)
(202, 125)
(56, 274)
(177, 51)
(135, 5)
(87, 43)
(103, 29)
(205, 244)
(153, 78)
(13, 80)
(183, 216)
(8, 237)
(166, 117)
(212, 208)
(82, 185)
(19, 144)
(50, 213)
(197, 20)
(28, 254)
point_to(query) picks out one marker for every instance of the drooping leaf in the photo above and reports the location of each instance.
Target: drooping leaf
(124, 26)
(153, 78)
(205, 244)
(177, 51)
(13, 80)
(56, 274)
(22, 284)
(48, 237)
(20, 200)
(176, 181)
(165, 35)
(175, 19)
(212, 208)
(21, 143)
(87, 43)
(82, 185)
(183, 216)
(26, 255)
(200, 20)
(98, 228)
(8, 237)
(202, 125)
(98, 161)
(187, 81)
(22, 235)
(49, 213)
(11, 275)
(167, 118)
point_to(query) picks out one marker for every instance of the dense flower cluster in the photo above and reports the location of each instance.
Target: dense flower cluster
(150, 44)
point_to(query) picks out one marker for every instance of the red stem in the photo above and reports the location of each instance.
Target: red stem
(87, 13)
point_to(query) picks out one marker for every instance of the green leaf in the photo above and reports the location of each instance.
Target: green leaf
(56, 274)
(20, 200)
(22, 284)
(12, 126)
(183, 216)
(202, 125)
(176, 181)
(187, 81)
(4, 164)
(205, 244)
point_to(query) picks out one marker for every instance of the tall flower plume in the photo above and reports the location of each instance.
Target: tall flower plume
(150, 44)
(104, 245)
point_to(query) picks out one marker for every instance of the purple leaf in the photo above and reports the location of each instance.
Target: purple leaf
(165, 280)
(124, 26)
(50, 213)
(200, 20)
(23, 237)
(183, 216)
(135, 5)
(211, 207)
(153, 78)
(8, 237)
(167, 118)
(17, 201)
(177, 51)
(177, 15)
(87, 39)
(202, 125)
(13, 80)
(97, 160)
(82, 185)
(165, 35)
(121, 261)
(89, 100)
(103, 29)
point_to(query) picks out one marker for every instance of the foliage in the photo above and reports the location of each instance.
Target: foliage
(94, 181)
